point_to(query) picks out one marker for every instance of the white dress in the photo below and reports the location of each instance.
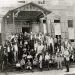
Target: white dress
(16, 47)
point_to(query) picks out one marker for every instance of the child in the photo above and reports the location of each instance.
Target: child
(29, 57)
(29, 65)
(47, 58)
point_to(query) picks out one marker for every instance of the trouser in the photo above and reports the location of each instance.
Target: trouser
(20, 53)
(55, 48)
(4, 63)
(67, 64)
(40, 64)
(59, 65)
(15, 56)
(10, 57)
(47, 63)
(50, 49)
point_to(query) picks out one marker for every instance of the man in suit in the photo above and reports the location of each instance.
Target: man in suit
(67, 58)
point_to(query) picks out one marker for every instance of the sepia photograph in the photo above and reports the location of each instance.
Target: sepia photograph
(37, 37)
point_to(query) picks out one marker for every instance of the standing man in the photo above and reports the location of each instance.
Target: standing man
(50, 44)
(59, 59)
(55, 45)
(67, 58)
(31, 41)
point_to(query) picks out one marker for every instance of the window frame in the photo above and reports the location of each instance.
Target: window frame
(70, 23)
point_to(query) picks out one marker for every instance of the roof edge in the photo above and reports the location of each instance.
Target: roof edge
(41, 7)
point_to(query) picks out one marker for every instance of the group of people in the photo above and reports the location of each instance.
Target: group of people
(28, 50)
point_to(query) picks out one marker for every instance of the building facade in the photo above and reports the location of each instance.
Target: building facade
(33, 17)
(27, 18)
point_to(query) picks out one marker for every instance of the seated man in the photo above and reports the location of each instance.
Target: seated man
(29, 65)
(30, 57)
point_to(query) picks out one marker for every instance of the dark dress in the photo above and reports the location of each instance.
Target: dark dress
(31, 43)
(20, 52)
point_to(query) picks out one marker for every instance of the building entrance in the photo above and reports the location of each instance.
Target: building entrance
(26, 29)
(25, 19)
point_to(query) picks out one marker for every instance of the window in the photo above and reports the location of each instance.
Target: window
(23, 23)
(44, 21)
(18, 30)
(56, 21)
(72, 40)
(17, 22)
(70, 23)
(21, 1)
(41, 2)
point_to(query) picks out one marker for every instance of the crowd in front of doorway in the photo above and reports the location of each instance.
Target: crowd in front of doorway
(29, 50)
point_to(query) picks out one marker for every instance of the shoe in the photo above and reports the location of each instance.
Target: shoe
(40, 69)
(61, 68)
(67, 71)
(57, 68)
(32, 71)
(48, 68)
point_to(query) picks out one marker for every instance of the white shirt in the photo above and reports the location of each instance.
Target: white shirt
(40, 59)
(66, 54)
(55, 40)
(8, 49)
(0, 47)
(18, 65)
(50, 41)
(62, 49)
(47, 57)
(12, 36)
(36, 45)
(31, 37)
(40, 48)
(16, 47)
(29, 56)
(66, 42)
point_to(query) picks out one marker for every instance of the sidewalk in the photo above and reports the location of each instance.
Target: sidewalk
(71, 72)
(50, 72)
